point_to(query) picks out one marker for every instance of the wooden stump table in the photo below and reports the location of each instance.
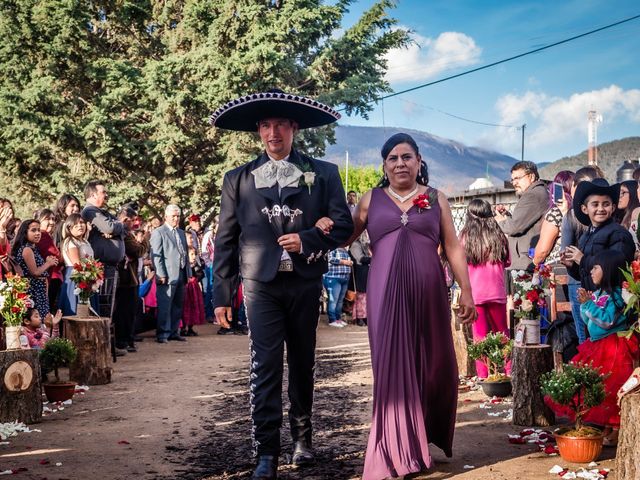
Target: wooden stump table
(627, 456)
(91, 337)
(528, 364)
(462, 337)
(20, 386)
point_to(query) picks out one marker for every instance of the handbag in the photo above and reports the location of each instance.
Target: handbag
(10, 266)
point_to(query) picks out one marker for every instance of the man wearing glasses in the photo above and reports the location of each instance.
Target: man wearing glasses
(522, 225)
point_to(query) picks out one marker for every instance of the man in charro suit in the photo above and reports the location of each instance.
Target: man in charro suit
(267, 234)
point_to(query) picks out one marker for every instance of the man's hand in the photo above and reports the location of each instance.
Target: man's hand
(290, 242)
(161, 280)
(223, 316)
(573, 254)
(325, 224)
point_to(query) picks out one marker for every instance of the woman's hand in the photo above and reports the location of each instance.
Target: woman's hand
(563, 206)
(466, 309)
(325, 224)
(6, 214)
(52, 260)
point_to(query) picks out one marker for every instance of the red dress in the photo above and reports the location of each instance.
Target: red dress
(193, 308)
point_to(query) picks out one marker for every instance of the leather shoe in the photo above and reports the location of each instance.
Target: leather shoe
(162, 340)
(177, 338)
(267, 468)
(302, 453)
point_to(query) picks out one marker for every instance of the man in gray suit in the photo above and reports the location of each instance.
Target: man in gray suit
(171, 262)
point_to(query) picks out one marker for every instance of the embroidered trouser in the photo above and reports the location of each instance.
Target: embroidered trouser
(282, 311)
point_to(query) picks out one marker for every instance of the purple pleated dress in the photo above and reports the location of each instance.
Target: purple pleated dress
(415, 374)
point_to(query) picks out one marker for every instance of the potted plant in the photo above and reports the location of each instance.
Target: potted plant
(494, 351)
(579, 387)
(58, 353)
(530, 298)
(88, 275)
(14, 302)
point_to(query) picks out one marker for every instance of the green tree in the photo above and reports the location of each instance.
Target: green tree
(361, 179)
(122, 90)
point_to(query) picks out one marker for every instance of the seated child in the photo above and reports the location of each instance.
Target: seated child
(36, 333)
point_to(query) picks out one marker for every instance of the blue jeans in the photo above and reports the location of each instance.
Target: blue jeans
(208, 292)
(581, 328)
(336, 289)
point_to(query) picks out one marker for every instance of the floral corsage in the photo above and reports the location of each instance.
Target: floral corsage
(422, 202)
(308, 177)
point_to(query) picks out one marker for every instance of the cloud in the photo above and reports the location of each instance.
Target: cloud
(428, 57)
(553, 120)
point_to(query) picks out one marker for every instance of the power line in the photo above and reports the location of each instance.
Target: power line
(530, 52)
(517, 127)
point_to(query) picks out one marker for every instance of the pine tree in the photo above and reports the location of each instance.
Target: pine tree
(122, 90)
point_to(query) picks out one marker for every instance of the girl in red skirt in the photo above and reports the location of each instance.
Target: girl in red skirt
(603, 313)
(193, 309)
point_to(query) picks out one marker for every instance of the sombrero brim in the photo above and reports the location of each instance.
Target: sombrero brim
(244, 113)
(585, 190)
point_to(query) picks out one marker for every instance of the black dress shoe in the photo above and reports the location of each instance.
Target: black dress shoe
(162, 340)
(267, 468)
(177, 338)
(138, 338)
(302, 453)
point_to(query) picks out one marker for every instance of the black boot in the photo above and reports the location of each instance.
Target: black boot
(267, 468)
(302, 453)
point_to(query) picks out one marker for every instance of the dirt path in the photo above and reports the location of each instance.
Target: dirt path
(181, 411)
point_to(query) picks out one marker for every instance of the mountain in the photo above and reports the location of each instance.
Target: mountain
(611, 155)
(452, 165)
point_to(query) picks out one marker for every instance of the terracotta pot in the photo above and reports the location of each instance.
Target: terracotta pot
(579, 449)
(59, 392)
(12, 336)
(496, 389)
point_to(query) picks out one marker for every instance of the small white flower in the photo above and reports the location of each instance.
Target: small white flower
(76, 291)
(626, 296)
(526, 305)
(309, 179)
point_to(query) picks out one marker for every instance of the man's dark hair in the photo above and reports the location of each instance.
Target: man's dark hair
(587, 174)
(127, 211)
(91, 187)
(636, 174)
(528, 167)
(351, 191)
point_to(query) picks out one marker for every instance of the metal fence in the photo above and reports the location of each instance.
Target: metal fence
(459, 212)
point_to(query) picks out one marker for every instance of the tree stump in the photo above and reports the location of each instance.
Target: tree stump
(462, 337)
(91, 337)
(20, 386)
(627, 458)
(528, 364)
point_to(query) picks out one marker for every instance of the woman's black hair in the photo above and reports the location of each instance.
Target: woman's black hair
(623, 216)
(61, 205)
(390, 144)
(482, 239)
(21, 237)
(611, 262)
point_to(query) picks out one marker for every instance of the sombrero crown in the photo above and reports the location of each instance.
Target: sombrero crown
(244, 113)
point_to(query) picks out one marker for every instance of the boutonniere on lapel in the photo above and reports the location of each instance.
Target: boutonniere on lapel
(424, 201)
(308, 177)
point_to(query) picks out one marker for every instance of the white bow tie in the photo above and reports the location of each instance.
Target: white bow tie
(284, 173)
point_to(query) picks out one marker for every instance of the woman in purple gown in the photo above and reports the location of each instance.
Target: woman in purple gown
(414, 366)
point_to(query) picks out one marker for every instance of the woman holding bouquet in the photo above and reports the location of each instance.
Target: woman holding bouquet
(74, 248)
(34, 267)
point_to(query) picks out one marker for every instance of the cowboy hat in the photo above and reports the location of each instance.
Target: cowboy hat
(244, 113)
(599, 186)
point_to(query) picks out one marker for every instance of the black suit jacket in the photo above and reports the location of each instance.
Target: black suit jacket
(251, 220)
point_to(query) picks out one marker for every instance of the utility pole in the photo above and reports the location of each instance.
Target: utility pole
(346, 172)
(522, 154)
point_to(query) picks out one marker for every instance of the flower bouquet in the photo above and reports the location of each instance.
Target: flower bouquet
(531, 293)
(88, 275)
(631, 296)
(14, 302)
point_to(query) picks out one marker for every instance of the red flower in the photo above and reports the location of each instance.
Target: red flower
(15, 309)
(21, 295)
(422, 202)
(83, 285)
(532, 296)
(625, 285)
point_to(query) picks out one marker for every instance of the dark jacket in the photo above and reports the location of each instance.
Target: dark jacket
(610, 236)
(246, 242)
(523, 226)
(128, 267)
(106, 236)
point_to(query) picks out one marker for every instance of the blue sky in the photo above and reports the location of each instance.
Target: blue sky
(550, 91)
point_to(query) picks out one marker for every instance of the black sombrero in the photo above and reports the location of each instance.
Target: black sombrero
(243, 113)
(599, 186)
